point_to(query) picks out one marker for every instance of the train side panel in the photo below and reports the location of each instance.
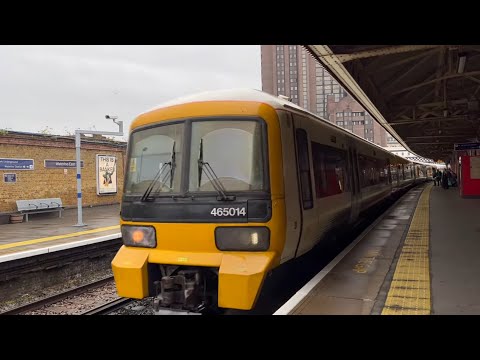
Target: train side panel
(374, 178)
(325, 193)
(293, 217)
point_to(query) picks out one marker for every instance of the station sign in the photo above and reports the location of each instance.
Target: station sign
(467, 146)
(61, 164)
(16, 164)
(10, 178)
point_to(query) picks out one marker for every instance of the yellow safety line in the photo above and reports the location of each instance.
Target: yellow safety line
(409, 292)
(50, 238)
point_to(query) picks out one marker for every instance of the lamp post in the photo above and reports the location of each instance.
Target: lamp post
(78, 134)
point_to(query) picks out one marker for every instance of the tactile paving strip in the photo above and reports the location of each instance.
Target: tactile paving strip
(409, 292)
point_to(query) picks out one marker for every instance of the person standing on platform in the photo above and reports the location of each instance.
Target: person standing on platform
(445, 179)
(438, 177)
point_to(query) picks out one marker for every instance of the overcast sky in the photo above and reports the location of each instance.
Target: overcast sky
(73, 87)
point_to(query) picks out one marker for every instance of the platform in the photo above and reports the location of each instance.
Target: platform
(48, 231)
(420, 257)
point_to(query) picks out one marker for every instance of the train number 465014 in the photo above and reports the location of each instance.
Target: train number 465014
(229, 211)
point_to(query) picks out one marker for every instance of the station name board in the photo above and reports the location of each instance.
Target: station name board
(467, 146)
(61, 164)
(16, 164)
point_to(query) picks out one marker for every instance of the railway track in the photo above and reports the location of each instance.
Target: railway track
(108, 307)
(75, 299)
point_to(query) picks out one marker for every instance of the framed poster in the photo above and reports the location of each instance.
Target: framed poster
(106, 175)
(475, 167)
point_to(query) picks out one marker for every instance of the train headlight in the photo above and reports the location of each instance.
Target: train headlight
(140, 236)
(242, 238)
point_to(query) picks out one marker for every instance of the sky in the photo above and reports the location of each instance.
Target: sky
(57, 88)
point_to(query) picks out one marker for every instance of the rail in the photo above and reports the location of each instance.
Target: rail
(107, 308)
(56, 298)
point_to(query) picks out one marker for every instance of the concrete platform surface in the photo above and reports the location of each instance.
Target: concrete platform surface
(48, 229)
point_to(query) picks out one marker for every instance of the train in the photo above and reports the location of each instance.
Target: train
(223, 187)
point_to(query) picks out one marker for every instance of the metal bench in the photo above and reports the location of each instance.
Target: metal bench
(36, 206)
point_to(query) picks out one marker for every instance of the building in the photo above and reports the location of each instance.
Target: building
(289, 70)
(350, 115)
(38, 166)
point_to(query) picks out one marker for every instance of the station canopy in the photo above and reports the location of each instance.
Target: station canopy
(426, 96)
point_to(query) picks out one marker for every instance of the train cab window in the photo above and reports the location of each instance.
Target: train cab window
(304, 168)
(329, 166)
(240, 168)
(155, 158)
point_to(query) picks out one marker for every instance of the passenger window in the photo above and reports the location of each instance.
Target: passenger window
(388, 171)
(304, 168)
(373, 171)
(328, 170)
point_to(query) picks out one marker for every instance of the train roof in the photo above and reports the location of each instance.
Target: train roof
(229, 95)
(254, 95)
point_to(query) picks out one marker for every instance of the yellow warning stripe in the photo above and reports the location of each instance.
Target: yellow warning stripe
(50, 238)
(409, 292)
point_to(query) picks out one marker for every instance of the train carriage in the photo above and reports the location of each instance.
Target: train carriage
(224, 186)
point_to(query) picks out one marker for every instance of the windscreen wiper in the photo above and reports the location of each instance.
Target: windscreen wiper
(171, 163)
(212, 177)
(150, 187)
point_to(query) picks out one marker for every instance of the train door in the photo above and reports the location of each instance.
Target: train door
(292, 200)
(399, 175)
(389, 173)
(309, 233)
(355, 183)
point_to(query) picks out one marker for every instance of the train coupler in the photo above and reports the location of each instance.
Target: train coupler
(180, 292)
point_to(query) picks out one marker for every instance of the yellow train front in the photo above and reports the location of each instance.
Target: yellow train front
(203, 213)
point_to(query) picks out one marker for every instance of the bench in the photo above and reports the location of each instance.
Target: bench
(36, 206)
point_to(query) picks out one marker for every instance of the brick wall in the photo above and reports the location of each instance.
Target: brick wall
(46, 183)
